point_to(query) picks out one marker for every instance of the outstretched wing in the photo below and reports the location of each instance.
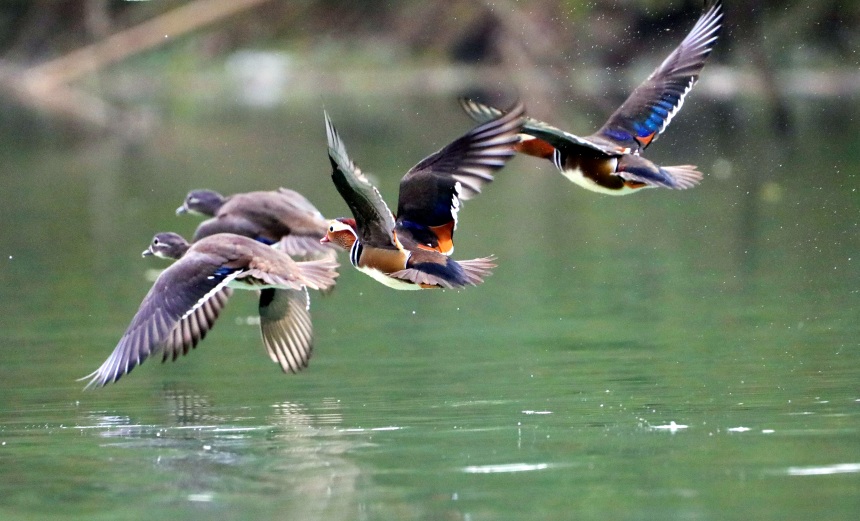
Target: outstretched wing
(533, 128)
(470, 159)
(373, 218)
(174, 300)
(285, 322)
(650, 108)
(193, 327)
(430, 193)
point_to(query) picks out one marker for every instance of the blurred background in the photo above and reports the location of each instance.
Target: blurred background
(129, 65)
(683, 355)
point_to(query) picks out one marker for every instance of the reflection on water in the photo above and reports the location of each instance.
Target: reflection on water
(662, 355)
(205, 456)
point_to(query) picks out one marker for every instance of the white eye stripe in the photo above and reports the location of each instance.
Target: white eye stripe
(337, 226)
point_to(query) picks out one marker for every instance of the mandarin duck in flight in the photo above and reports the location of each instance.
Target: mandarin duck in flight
(412, 250)
(188, 296)
(610, 161)
(280, 216)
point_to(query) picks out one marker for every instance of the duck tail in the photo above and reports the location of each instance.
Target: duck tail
(320, 273)
(683, 176)
(475, 270)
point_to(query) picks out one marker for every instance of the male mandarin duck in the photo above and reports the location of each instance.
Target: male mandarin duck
(188, 296)
(412, 250)
(282, 216)
(609, 161)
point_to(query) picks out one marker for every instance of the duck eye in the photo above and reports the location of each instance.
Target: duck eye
(155, 242)
(331, 228)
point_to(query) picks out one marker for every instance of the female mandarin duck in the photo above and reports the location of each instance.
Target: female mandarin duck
(187, 298)
(411, 251)
(609, 160)
(283, 216)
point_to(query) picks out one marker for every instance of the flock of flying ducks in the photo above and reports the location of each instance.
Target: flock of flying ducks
(278, 244)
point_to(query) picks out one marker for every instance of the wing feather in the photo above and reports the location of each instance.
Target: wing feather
(651, 106)
(285, 323)
(174, 300)
(373, 218)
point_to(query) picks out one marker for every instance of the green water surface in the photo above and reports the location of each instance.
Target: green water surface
(667, 355)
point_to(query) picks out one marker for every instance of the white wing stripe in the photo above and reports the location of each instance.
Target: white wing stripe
(211, 292)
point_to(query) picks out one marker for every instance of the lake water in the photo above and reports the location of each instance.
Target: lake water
(666, 355)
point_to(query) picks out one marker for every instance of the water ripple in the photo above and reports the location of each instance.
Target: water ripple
(505, 468)
(825, 470)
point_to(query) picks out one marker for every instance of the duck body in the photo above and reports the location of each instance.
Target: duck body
(406, 267)
(619, 174)
(281, 216)
(412, 250)
(609, 161)
(187, 298)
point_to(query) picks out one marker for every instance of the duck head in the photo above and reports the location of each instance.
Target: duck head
(201, 202)
(341, 232)
(167, 245)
